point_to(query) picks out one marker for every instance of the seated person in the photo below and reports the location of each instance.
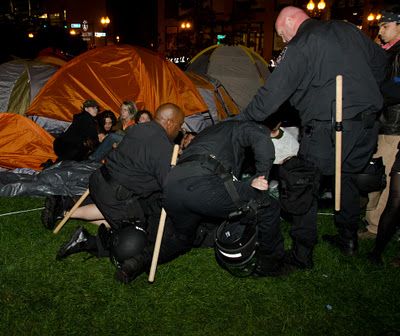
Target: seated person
(106, 124)
(127, 116)
(80, 138)
(126, 119)
(106, 121)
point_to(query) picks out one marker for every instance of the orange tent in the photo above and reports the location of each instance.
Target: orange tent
(112, 74)
(23, 143)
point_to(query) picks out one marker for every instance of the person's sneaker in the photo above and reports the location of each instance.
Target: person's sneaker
(52, 212)
(77, 243)
(348, 247)
(365, 234)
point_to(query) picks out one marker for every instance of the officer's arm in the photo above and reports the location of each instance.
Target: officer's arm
(162, 164)
(258, 138)
(281, 84)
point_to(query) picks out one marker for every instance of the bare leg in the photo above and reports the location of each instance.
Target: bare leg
(90, 213)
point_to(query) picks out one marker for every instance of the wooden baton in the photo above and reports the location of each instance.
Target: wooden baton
(338, 142)
(70, 213)
(161, 225)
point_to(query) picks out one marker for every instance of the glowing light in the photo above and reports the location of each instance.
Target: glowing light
(186, 25)
(311, 5)
(105, 20)
(321, 5)
(378, 16)
(31, 35)
(72, 32)
(371, 17)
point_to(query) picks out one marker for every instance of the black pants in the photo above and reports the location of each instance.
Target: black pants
(194, 193)
(118, 206)
(318, 146)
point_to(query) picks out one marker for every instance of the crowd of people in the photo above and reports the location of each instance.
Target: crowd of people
(207, 185)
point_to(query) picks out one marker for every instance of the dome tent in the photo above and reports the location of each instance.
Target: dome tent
(23, 143)
(239, 69)
(20, 82)
(220, 103)
(112, 74)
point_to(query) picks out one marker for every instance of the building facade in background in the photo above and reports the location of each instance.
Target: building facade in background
(177, 29)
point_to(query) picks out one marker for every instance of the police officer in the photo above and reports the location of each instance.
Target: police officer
(127, 187)
(204, 184)
(315, 54)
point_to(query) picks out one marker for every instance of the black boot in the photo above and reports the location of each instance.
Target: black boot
(132, 268)
(267, 265)
(347, 246)
(53, 211)
(81, 241)
(300, 256)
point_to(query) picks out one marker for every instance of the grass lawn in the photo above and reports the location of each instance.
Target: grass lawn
(191, 295)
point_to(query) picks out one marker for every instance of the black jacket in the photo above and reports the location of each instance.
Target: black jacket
(306, 74)
(142, 159)
(390, 117)
(228, 140)
(79, 139)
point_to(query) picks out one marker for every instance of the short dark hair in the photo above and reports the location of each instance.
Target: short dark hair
(140, 113)
(90, 103)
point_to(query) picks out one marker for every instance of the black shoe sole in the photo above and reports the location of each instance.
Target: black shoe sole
(47, 216)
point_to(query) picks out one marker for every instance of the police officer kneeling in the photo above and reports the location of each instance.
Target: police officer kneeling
(126, 190)
(203, 185)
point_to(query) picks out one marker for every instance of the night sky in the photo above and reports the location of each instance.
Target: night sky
(137, 21)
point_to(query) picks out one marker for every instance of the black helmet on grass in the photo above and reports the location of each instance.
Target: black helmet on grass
(127, 243)
(235, 247)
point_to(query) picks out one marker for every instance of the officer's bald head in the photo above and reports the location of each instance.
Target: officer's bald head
(288, 22)
(170, 117)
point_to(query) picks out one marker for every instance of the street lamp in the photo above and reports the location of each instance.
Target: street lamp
(105, 21)
(182, 34)
(316, 11)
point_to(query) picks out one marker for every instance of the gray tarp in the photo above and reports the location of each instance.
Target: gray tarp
(68, 178)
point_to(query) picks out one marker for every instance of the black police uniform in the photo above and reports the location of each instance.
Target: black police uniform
(127, 188)
(196, 188)
(79, 139)
(306, 77)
